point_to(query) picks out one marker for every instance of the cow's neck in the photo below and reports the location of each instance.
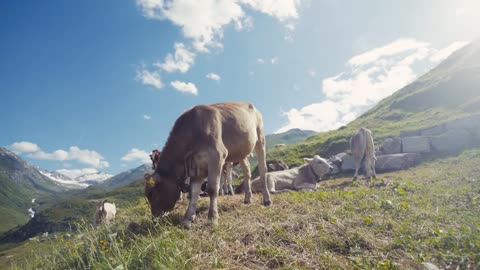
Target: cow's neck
(172, 158)
(307, 170)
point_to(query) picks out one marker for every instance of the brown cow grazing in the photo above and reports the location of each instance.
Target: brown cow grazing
(363, 150)
(201, 141)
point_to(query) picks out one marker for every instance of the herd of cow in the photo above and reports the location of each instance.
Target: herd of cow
(206, 141)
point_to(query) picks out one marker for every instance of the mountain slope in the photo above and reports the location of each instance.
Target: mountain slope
(291, 136)
(449, 91)
(127, 177)
(20, 183)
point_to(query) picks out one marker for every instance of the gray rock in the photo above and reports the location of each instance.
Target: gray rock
(395, 162)
(392, 146)
(409, 133)
(347, 163)
(452, 141)
(417, 144)
(432, 131)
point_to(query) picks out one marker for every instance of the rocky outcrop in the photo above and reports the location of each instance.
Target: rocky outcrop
(395, 162)
(392, 146)
(416, 144)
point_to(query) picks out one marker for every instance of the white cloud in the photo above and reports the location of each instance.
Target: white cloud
(181, 61)
(136, 154)
(185, 87)
(24, 147)
(147, 117)
(369, 78)
(442, 54)
(203, 21)
(213, 76)
(149, 78)
(281, 9)
(312, 73)
(84, 156)
(394, 48)
(274, 60)
(74, 173)
(260, 61)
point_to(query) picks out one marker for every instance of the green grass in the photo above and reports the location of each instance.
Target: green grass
(429, 213)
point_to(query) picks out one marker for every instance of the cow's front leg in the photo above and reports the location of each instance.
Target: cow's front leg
(195, 189)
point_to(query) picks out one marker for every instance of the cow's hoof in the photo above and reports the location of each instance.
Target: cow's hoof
(187, 224)
(267, 203)
(247, 202)
(354, 178)
(213, 222)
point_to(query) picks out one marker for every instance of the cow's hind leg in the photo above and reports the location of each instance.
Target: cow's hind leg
(195, 189)
(247, 184)
(228, 179)
(216, 159)
(358, 164)
(262, 169)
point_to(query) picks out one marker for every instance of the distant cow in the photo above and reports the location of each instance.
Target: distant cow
(305, 177)
(280, 146)
(202, 139)
(105, 213)
(363, 150)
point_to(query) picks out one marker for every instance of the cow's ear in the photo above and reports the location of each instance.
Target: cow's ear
(147, 176)
(271, 166)
(308, 160)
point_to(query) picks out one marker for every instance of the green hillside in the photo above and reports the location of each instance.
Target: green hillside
(430, 213)
(449, 91)
(14, 202)
(291, 136)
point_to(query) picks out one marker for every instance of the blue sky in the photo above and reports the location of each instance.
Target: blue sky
(91, 86)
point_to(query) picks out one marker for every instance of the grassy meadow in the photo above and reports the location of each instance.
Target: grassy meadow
(430, 213)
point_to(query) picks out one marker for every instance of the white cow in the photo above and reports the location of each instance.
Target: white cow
(305, 177)
(105, 213)
(363, 149)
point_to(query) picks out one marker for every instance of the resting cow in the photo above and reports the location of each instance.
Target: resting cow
(201, 141)
(105, 213)
(305, 177)
(363, 150)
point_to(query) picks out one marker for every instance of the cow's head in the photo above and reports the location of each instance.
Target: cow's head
(162, 192)
(154, 157)
(320, 166)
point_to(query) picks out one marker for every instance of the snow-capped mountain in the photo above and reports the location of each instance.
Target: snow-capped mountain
(80, 182)
(93, 178)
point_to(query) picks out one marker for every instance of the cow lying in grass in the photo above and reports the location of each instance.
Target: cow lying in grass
(305, 177)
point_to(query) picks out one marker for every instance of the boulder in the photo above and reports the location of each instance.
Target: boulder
(409, 133)
(432, 131)
(395, 162)
(416, 144)
(347, 163)
(392, 146)
(452, 141)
